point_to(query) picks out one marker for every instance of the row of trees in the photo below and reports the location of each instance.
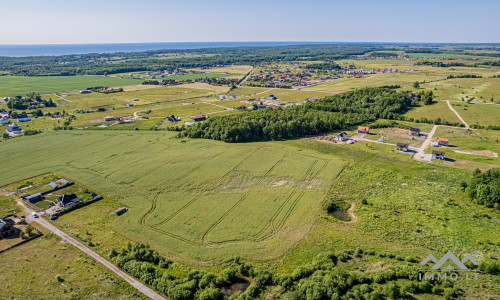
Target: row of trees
(327, 114)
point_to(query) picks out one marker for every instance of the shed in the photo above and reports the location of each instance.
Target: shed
(109, 118)
(34, 198)
(120, 211)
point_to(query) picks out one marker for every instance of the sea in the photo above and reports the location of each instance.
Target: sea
(66, 49)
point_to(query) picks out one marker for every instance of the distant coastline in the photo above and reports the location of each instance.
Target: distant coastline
(67, 49)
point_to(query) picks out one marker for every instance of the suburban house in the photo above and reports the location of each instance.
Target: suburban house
(172, 118)
(222, 97)
(109, 118)
(23, 118)
(4, 115)
(438, 155)
(66, 200)
(13, 128)
(414, 131)
(34, 198)
(402, 147)
(120, 211)
(271, 97)
(6, 229)
(4, 121)
(341, 137)
(199, 118)
(363, 130)
(443, 142)
(231, 96)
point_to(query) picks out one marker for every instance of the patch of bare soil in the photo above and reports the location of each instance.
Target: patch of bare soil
(237, 286)
(279, 183)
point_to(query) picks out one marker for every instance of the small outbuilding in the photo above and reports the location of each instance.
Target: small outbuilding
(402, 147)
(34, 198)
(199, 118)
(109, 118)
(438, 155)
(13, 128)
(120, 211)
(172, 118)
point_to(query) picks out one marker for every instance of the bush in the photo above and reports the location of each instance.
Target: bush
(59, 278)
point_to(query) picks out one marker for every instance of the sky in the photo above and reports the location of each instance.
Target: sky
(143, 21)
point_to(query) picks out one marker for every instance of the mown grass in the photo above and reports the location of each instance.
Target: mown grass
(18, 85)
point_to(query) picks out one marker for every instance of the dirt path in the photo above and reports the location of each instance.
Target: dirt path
(456, 113)
(61, 97)
(66, 238)
(350, 212)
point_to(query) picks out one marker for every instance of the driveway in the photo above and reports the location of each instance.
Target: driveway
(65, 237)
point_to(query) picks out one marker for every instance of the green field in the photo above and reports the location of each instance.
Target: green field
(481, 114)
(33, 268)
(200, 201)
(439, 109)
(17, 85)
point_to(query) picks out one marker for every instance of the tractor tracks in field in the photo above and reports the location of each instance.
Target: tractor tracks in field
(215, 184)
(142, 220)
(216, 223)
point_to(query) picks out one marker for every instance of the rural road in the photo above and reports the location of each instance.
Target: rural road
(453, 110)
(65, 237)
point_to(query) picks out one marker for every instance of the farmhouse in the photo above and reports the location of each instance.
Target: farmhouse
(231, 96)
(443, 142)
(402, 147)
(438, 155)
(109, 118)
(222, 97)
(199, 118)
(5, 115)
(414, 131)
(23, 118)
(67, 200)
(13, 128)
(341, 137)
(4, 121)
(120, 211)
(6, 229)
(363, 130)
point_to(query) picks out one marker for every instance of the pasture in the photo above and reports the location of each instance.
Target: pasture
(439, 109)
(198, 201)
(18, 85)
(481, 114)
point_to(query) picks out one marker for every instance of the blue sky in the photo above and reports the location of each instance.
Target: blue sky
(127, 21)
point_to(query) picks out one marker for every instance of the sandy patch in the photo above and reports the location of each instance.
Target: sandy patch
(279, 183)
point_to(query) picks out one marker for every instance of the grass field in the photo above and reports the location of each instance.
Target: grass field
(439, 109)
(33, 268)
(17, 85)
(481, 114)
(214, 203)
(482, 89)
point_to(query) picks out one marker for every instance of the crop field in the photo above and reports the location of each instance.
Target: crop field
(198, 200)
(17, 85)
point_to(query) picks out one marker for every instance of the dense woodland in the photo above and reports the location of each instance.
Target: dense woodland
(327, 114)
